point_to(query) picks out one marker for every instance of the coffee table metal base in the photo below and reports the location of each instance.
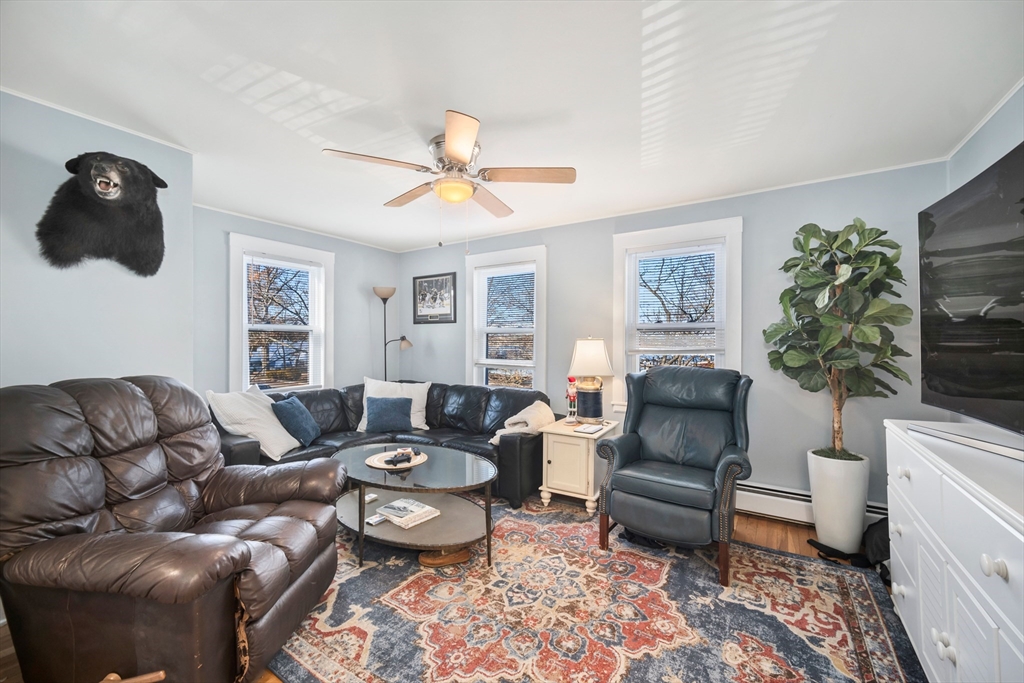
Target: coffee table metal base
(460, 524)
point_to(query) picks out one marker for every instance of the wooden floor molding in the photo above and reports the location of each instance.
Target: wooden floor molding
(764, 531)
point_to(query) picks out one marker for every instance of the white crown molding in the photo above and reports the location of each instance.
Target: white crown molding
(94, 119)
(989, 115)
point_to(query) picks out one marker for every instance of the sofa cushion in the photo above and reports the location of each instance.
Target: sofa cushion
(506, 402)
(297, 420)
(432, 437)
(690, 486)
(233, 521)
(339, 440)
(388, 414)
(326, 407)
(315, 450)
(296, 537)
(685, 436)
(478, 444)
(464, 407)
(435, 404)
(265, 580)
(352, 404)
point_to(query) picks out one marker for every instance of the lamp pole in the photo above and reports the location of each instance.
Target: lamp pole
(385, 293)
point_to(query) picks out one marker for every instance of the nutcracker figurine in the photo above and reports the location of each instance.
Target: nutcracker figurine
(570, 395)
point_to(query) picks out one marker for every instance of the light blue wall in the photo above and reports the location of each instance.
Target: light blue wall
(97, 319)
(1001, 133)
(784, 420)
(357, 312)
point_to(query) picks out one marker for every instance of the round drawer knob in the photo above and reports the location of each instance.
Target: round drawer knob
(895, 529)
(946, 652)
(903, 473)
(935, 636)
(997, 567)
(900, 590)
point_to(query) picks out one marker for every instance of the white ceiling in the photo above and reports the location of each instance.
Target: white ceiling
(655, 104)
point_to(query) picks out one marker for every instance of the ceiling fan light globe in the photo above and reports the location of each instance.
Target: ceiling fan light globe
(454, 190)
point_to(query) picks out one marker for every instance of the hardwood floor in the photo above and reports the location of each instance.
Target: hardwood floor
(770, 533)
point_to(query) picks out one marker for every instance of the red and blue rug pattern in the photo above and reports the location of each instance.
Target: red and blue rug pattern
(556, 608)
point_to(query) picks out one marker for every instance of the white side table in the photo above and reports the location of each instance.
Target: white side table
(571, 466)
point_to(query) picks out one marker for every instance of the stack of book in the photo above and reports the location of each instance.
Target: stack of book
(407, 513)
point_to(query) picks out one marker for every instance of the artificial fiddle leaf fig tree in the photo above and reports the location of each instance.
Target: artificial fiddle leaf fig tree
(835, 327)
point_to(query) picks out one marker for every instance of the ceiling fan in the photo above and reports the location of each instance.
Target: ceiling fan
(455, 152)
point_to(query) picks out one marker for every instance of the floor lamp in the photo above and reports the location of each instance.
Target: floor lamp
(385, 293)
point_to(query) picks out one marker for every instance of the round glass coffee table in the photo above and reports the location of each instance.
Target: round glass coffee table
(445, 538)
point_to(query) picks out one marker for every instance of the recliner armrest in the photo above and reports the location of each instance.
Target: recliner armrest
(172, 568)
(732, 455)
(320, 480)
(621, 450)
(239, 450)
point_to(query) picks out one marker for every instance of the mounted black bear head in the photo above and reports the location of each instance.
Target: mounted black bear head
(108, 210)
(111, 178)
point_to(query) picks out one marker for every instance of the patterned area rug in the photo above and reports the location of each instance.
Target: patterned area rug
(556, 608)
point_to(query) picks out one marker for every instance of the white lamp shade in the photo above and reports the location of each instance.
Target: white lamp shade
(405, 344)
(384, 292)
(590, 359)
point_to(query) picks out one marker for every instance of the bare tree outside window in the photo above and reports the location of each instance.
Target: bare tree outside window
(676, 317)
(278, 297)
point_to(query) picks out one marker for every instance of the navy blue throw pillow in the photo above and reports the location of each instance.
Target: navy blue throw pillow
(388, 414)
(297, 420)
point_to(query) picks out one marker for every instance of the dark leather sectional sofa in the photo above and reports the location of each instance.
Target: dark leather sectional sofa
(459, 416)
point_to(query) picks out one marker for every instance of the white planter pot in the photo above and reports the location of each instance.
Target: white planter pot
(839, 497)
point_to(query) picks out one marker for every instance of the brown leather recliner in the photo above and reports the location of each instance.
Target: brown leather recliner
(127, 546)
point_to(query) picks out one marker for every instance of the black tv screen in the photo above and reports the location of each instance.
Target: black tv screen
(972, 297)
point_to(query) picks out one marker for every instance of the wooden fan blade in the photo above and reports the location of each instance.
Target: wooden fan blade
(484, 198)
(459, 136)
(520, 174)
(377, 160)
(414, 193)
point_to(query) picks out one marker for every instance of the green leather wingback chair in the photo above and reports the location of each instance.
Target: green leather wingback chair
(672, 472)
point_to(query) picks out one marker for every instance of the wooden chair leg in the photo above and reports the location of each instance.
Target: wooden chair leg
(723, 563)
(603, 525)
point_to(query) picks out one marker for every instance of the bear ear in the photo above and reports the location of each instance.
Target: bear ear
(158, 181)
(72, 165)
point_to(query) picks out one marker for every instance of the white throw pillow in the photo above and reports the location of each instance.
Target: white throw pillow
(417, 392)
(249, 413)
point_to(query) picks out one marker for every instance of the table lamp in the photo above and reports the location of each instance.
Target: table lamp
(589, 363)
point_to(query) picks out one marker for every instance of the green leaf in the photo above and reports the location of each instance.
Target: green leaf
(854, 301)
(787, 309)
(846, 233)
(843, 274)
(866, 333)
(891, 314)
(831, 320)
(895, 257)
(876, 273)
(877, 306)
(776, 330)
(812, 380)
(846, 246)
(798, 244)
(811, 277)
(775, 360)
(860, 381)
(887, 244)
(796, 358)
(859, 223)
(822, 299)
(828, 338)
(885, 385)
(897, 352)
(792, 263)
(810, 229)
(844, 359)
(893, 370)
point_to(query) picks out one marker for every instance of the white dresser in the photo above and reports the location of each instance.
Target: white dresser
(956, 530)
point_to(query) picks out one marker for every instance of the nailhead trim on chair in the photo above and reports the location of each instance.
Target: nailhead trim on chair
(723, 514)
(602, 504)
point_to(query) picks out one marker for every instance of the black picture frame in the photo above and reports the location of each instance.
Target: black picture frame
(429, 294)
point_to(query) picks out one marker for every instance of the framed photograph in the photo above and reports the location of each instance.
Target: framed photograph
(433, 299)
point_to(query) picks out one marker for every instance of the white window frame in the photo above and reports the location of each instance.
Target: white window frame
(475, 357)
(633, 257)
(726, 230)
(240, 246)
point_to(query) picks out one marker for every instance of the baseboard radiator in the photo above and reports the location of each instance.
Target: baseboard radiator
(789, 504)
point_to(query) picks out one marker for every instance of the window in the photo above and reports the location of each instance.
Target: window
(507, 331)
(676, 312)
(677, 299)
(280, 296)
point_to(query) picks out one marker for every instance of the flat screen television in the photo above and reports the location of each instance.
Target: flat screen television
(972, 297)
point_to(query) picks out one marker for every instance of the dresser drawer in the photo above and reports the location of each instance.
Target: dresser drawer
(903, 531)
(918, 481)
(971, 531)
(905, 595)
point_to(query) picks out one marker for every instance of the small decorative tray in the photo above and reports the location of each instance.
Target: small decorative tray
(377, 461)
